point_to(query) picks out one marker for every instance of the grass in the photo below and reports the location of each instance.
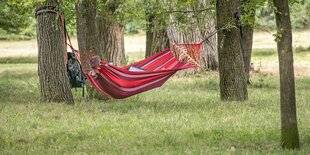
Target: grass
(263, 40)
(185, 116)
(18, 60)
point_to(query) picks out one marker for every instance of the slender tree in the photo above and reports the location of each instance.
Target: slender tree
(54, 82)
(289, 130)
(247, 35)
(231, 68)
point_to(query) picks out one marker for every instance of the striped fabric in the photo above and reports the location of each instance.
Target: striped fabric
(120, 83)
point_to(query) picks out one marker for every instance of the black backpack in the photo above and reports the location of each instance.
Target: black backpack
(75, 72)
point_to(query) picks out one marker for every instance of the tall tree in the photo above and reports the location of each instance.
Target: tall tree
(184, 27)
(156, 30)
(185, 34)
(88, 38)
(206, 23)
(87, 32)
(191, 23)
(209, 52)
(111, 32)
(247, 11)
(289, 130)
(231, 68)
(54, 82)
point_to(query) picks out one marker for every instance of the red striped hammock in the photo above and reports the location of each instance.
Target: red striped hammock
(149, 73)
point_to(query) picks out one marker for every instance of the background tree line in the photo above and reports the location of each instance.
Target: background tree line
(17, 20)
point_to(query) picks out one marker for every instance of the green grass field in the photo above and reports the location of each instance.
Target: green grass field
(184, 116)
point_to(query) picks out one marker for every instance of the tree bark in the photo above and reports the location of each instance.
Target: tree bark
(156, 36)
(54, 81)
(247, 40)
(87, 32)
(111, 37)
(209, 53)
(188, 33)
(88, 38)
(197, 29)
(111, 33)
(231, 68)
(289, 129)
(188, 36)
(206, 24)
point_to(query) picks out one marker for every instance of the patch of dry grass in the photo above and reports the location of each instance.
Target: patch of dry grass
(28, 48)
(265, 40)
(136, 43)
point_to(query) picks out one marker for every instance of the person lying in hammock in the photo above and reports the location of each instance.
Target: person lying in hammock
(94, 63)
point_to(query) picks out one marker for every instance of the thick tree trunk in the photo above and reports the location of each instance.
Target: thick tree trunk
(289, 129)
(156, 37)
(111, 36)
(206, 24)
(54, 82)
(197, 30)
(87, 34)
(231, 68)
(209, 53)
(88, 38)
(188, 36)
(111, 33)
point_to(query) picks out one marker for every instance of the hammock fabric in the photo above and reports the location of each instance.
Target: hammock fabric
(150, 73)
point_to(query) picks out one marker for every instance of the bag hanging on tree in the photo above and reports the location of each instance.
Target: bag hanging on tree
(75, 73)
